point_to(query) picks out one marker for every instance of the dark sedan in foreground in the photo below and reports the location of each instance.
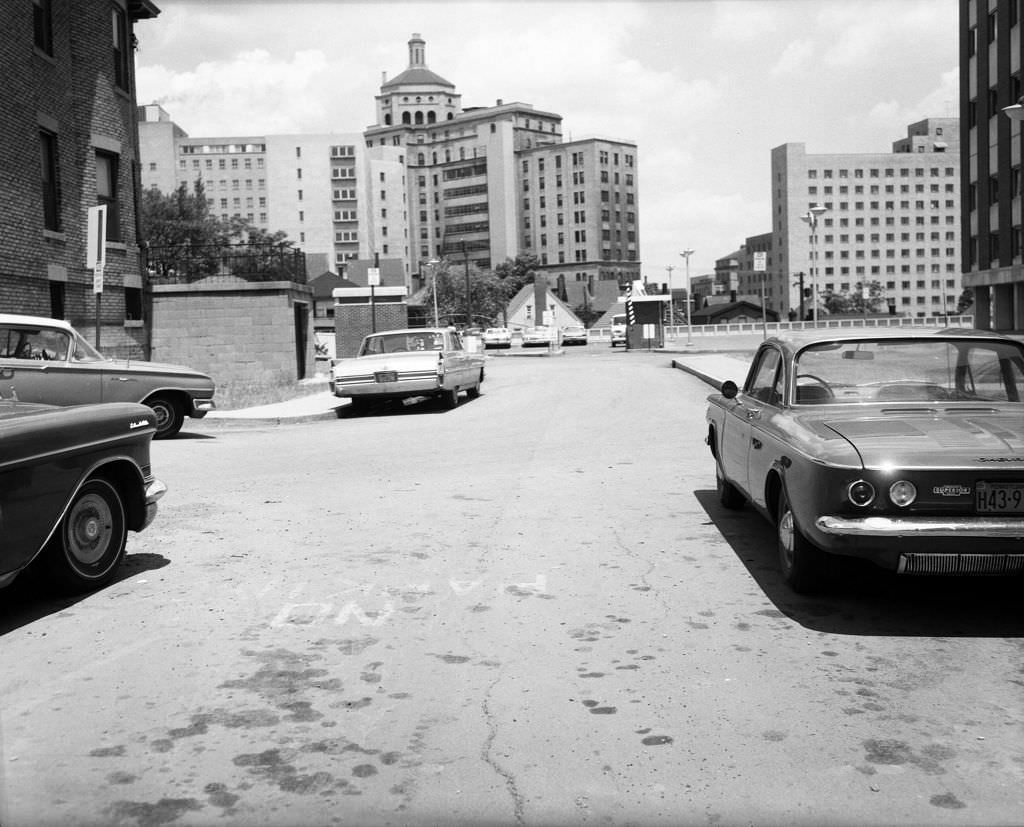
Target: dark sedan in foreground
(73, 482)
(48, 361)
(902, 448)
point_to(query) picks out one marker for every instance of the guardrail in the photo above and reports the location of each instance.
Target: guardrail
(599, 334)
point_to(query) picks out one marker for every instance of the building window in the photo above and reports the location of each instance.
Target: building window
(132, 304)
(106, 192)
(122, 49)
(57, 304)
(51, 182)
(42, 29)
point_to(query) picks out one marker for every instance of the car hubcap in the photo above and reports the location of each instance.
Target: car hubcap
(90, 529)
(161, 417)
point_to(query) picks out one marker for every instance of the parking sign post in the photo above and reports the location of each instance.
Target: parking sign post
(96, 255)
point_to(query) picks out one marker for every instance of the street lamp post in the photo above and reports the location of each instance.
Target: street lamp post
(811, 217)
(689, 294)
(469, 299)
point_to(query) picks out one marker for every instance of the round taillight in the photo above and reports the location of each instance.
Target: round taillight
(902, 493)
(861, 493)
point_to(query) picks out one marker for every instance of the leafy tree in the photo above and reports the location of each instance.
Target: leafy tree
(516, 273)
(490, 290)
(186, 239)
(965, 301)
(855, 302)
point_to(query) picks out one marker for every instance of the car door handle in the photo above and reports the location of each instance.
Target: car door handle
(753, 413)
(121, 379)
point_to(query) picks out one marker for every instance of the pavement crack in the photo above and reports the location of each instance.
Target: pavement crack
(487, 754)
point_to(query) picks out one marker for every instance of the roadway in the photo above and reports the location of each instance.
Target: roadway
(529, 610)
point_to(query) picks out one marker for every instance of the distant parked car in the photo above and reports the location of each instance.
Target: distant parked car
(619, 329)
(497, 337)
(400, 364)
(904, 448)
(538, 336)
(574, 334)
(48, 361)
(73, 482)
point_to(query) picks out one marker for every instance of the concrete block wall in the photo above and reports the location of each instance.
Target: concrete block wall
(352, 322)
(240, 332)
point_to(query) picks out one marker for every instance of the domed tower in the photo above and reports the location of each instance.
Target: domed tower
(417, 96)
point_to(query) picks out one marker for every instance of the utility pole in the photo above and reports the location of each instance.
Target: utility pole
(671, 306)
(469, 300)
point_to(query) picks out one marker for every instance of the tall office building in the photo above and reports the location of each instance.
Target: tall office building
(489, 183)
(990, 80)
(891, 218)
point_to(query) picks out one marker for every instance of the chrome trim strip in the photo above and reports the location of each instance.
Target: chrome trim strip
(981, 527)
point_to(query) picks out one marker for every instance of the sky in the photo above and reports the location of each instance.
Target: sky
(705, 88)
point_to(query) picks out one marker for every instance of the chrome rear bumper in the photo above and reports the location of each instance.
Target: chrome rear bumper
(895, 527)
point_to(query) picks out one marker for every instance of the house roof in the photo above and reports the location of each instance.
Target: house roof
(716, 311)
(526, 293)
(326, 282)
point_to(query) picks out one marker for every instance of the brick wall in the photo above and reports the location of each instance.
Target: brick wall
(234, 332)
(352, 322)
(71, 93)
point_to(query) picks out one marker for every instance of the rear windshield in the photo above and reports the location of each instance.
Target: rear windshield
(401, 342)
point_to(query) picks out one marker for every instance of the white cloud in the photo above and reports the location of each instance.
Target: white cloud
(797, 57)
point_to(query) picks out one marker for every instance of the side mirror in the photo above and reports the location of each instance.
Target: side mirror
(729, 389)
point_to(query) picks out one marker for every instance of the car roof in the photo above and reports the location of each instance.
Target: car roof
(40, 321)
(797, 339)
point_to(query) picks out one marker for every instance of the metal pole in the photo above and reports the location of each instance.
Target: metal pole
(469, 302)
(373, 304)
(433, 274)
(689, 295)
(671, 302)
(814, 268)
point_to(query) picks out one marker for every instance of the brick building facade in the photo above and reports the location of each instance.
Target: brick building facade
(68, 142)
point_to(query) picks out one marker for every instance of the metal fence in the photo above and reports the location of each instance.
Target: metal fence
(188, 263)
(679, 331)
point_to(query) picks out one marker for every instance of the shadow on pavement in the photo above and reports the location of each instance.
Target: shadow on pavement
(870, 601)
(30, 597)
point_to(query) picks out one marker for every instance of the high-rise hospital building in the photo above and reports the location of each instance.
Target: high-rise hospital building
(429, 180)
(889, 218)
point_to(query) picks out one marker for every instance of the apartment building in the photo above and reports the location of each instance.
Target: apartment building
(990, 89)
(489, 183)
(891, 218)
(337, 200)
(68, 142)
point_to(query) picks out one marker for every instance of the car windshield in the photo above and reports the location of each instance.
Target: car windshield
(910, 370)
(402, 342)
